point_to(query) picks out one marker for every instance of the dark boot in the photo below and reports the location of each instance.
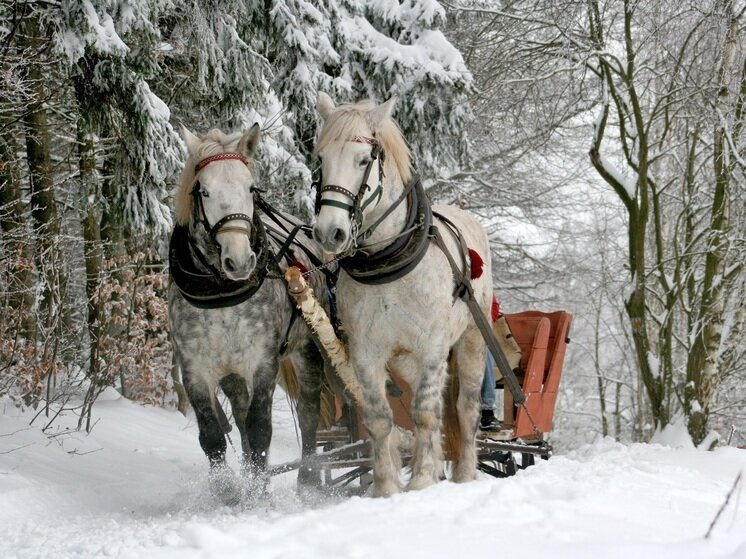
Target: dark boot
(489, 422)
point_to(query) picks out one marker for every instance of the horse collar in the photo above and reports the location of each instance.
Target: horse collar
(201, 284)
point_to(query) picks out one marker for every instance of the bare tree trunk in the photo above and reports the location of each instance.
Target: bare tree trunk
(93, 251)
(599, 373)
(12, 225)
(41, 177)
(617, 412)
(632, 124)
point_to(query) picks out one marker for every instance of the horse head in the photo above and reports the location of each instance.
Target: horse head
(216, 199)
(351, 145)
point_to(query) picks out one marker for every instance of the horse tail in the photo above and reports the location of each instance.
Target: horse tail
(452, 437)
(289, 381)
(328, 407)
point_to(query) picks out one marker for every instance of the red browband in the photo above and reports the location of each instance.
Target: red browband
(363, 140)
(220, 157)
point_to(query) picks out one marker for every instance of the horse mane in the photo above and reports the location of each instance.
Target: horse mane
(214, 142)
(345, 121)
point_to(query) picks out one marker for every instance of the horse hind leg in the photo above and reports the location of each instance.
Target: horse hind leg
(427, 409)
(309, 369)
(468, 363)
(211, 438)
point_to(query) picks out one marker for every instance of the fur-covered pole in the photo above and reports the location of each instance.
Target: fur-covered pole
(319, 323)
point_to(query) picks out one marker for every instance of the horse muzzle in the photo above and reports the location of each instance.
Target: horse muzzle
(332, 239)
(237, 265)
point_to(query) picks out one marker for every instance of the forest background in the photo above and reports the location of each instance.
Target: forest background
(600, 142)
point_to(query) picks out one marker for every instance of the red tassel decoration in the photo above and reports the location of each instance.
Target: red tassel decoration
(476, 264)
(495, 310)
(298, 264)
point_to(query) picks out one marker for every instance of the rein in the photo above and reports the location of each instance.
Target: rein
(463, 290)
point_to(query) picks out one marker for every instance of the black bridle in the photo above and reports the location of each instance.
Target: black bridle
(255, 230)
(358, 205)
(198, 194)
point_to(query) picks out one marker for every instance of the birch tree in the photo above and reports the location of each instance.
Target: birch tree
(665, 83)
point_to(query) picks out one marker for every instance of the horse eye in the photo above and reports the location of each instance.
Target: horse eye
(204, 193)
(365, 162)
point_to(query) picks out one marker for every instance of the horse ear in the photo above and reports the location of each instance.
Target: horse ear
(324, 104)
(192, 141)
(382, 112)
(249, 141)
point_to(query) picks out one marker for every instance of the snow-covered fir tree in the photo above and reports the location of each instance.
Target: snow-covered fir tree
(230, 64)
(119, 76)
(112, 49)
(371, 49)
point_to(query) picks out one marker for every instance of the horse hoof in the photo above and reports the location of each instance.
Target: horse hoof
(225, 486)
(257, 486)
(385, 489)
(420, 482)
(308, 477)
(312, 494)
(464, 476)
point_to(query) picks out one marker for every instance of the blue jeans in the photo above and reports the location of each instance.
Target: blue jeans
(488, 384)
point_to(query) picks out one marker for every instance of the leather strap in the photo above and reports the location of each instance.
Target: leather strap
(466, 294)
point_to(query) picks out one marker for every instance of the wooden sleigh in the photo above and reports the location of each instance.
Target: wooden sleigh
(542, 338)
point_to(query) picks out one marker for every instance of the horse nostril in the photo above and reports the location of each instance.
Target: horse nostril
(339, 235)
(229, 265)
(252, 262)
(316, 236)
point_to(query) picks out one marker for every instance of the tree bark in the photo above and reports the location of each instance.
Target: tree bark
(12, 225)
(93, 251)
(112, 224)
(703, 371)
(41, 177)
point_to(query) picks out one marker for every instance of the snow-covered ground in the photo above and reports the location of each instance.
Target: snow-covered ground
(136, 487)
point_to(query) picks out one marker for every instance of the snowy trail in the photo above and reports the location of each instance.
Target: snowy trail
(135, 487)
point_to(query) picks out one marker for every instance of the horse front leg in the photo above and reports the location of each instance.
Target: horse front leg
(259, 432)
(201, 395)
(427, 412)
(236, 389)
(379, 421)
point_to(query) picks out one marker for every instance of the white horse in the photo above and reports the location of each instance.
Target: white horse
(396, 292)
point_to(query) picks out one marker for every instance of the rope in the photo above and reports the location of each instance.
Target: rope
(531, 419)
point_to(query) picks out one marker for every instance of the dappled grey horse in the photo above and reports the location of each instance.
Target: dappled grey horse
(230, 316)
